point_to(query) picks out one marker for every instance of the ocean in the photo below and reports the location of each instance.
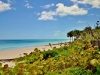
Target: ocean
(15, 44)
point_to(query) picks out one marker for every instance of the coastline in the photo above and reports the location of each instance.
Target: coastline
(11, 54)
(7, 56)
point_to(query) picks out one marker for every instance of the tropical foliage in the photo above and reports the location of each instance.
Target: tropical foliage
(79, 58)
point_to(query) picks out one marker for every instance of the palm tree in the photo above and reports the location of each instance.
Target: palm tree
(97, 27)
(76, 33)
(89, 31)
(70, 34)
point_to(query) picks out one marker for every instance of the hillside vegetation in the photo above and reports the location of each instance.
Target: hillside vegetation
(81, 57)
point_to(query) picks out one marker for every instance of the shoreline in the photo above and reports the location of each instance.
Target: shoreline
(15, 53)
(26, 43)
(7, 56)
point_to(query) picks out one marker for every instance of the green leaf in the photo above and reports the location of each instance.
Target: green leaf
(98, 68)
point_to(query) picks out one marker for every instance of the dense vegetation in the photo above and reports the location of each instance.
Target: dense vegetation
(79, 58)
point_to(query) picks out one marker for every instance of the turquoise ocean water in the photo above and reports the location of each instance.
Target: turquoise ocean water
(15, 44)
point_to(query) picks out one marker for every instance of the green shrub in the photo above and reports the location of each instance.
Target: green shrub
(97, 70)
(77, 71)
(57, 57)
(54, 47)
(48, 53)
(65, 47)
(36, 49)
(0, 64)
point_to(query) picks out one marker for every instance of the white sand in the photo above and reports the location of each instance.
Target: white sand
(11, 54)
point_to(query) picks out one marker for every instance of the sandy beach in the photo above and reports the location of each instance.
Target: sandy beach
(11, 54)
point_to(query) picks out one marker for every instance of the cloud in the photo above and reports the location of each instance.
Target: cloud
(71, 18)
(38, 14)
(4, 6)
(47, 15)
(72, 10)
(81, 21)
(61, 11)
(35, 35)
(28, 5)
(26, 0)
(63, 33)
(48, 6)
(91, 14)
(11, 1)
(94, 3)
(58, 33)
(14, 8)
(97, 15)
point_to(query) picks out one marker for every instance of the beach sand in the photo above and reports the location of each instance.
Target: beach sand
(7, 55)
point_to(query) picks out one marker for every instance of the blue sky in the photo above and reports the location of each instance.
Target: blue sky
(46, 19)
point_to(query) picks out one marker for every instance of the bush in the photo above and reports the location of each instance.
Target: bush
(48, 53)
(65, 47)
(77, 71)
(54, 47)
(36, 50)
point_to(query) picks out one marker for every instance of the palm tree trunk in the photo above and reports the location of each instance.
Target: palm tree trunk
(90, 37)
(70, 39)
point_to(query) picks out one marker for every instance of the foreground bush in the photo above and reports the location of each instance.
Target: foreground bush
(49, 53)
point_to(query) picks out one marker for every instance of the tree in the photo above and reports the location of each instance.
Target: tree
(70, 34)
(89, 31)
(76, 33)
(97, 25)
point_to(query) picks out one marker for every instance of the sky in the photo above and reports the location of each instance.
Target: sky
(46, 19)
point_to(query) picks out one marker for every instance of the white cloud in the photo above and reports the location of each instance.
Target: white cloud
(81, 21)
(72, 10)
(94, 3)
(11, 1)
(62, 10)
(57, 33)
(4, 6)
(97, 15)
(47, 15)
(28, 5)
(38, 13)
(71, 18)
(26, 0)
(63, 33)
(92, 14)
(48, 6)
(13, 8)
